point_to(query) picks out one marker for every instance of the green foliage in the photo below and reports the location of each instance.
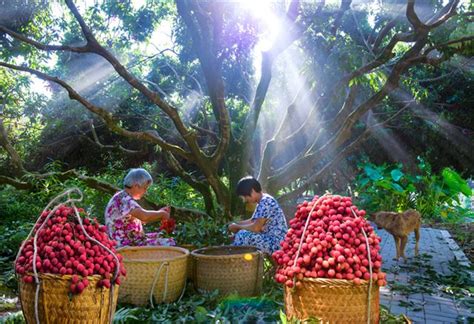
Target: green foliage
(209, 308)
(14, 318)
(174, 192)
(384, 188)
(203, 231)
(12, 236)
(435, 196)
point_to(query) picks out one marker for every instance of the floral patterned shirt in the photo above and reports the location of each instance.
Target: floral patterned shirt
(126, 229)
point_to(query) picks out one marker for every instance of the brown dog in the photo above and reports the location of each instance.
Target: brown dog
(399, 225)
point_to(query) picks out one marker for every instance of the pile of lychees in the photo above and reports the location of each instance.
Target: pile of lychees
(333, 246)
(64, 249)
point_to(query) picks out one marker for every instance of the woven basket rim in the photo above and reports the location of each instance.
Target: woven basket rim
(62, 277)
(162, 248)
(339, 282)
(198, 253)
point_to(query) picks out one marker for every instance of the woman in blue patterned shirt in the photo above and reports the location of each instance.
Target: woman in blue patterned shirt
(267, 227)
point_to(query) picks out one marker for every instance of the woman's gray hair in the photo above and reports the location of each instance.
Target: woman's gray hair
(138, 177)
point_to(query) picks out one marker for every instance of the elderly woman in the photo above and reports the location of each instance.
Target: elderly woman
(124, 217)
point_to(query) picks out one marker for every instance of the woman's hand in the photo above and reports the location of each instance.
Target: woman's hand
(165, 212)
(234, 228)
(149, 216)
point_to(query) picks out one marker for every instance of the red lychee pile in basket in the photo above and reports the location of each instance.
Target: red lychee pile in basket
(64, 249)
(333, 246)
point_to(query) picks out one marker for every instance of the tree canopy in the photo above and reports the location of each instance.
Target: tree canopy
(214, 90)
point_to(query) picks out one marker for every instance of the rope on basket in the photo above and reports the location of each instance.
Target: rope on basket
(155, 280)
(304, 232)
(182, 292)
(370, 266)
(71, 201)
(366, 242)
(260, 261)
(117, 261)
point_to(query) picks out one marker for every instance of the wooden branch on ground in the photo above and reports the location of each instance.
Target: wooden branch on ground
(18, 184)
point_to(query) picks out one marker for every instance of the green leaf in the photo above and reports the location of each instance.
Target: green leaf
(397, 187)
(201, 314)
(396, 174)
(455, 182)
(373, 173)
(283, 317)
(384, 184)
(364, 181)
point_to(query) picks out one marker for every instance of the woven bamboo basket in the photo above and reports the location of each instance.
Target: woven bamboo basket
(229, 269)
(55, 305)
(190, 269)
(332, 301)
(154, 273)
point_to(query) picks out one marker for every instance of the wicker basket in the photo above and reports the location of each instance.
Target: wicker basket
(190, 271)
(56, 306)
(332, 301)
(153, 272)
(229, 269)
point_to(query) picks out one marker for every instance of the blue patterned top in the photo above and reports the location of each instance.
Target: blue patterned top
(275, 228)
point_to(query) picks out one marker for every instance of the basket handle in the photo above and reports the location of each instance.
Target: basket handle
(260, 265)
(56, 200)
(155, 281)
(369, 297)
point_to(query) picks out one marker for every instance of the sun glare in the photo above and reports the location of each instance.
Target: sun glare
(263, 11)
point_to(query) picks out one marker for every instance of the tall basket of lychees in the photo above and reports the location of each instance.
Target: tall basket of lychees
(330, 264)
(67, 267)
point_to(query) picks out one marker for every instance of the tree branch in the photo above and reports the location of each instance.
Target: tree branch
(447, 12)
(446, 44)
(413, 17)
(345, 5)
(106, 116)
(97, 142)
(296, 168)
(211, 67)
(337, 158)
(384, 32)
(172, 112)
(15, 159)
(44, 47)
(21, 185)
(287, 37)
(200, 186)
